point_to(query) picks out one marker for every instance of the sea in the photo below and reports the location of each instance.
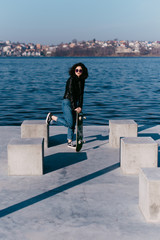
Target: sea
(117, 88)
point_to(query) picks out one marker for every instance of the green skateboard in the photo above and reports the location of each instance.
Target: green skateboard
(79, 131)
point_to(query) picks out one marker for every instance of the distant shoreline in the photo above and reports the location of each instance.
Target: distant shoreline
(27, 57)
(93, 48)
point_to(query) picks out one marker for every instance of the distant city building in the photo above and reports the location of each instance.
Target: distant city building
(38, 46)
(82, 48)
(8, 42)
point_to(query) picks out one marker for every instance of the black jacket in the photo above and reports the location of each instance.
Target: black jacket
(74, 91)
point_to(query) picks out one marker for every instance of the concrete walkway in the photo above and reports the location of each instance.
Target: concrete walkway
(81, 196)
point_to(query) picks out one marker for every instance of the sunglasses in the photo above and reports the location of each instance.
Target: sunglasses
(78, 70)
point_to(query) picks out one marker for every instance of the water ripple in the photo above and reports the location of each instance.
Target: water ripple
(117, 88)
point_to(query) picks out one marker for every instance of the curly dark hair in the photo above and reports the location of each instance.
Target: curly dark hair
(84, 73)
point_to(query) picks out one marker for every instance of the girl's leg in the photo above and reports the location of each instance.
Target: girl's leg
(71, 128)
(69, 119)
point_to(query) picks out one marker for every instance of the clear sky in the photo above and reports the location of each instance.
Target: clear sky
(56, 21)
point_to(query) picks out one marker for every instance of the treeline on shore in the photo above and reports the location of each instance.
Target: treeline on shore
(100, 52)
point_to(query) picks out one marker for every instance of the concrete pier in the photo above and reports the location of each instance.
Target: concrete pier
(119, 129)
(149, 194)
(80, 196)
(25, 156)
(138, 152)
(35, 129)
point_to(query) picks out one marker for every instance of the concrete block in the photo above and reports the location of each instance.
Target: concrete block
(138, 152)
(25, 156)
(35, 129)
(149, 193)
(121, 128)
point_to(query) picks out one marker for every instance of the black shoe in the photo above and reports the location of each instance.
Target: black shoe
(71, 145)
(49, 118)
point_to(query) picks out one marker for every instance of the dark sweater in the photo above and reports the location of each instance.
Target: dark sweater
(74, 91)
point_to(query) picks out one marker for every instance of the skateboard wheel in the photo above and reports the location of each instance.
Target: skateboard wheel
(84, 117)
(79, 142)
(80, 118)
(84, 141)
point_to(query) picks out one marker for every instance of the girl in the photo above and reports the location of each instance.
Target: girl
(72, 100)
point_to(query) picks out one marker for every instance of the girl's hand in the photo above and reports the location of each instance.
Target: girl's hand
(78, 110)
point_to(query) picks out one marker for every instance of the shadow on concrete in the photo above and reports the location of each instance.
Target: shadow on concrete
(62, 138)
(97, 137)
(144, 127)
(158, 157)
(61, 160)
(51, 193)
(57, 140)
(155, 136)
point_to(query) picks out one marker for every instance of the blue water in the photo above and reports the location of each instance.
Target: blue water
(117, 88)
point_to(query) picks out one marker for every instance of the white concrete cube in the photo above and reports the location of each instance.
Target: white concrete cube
(121, 128)
(25, 156)
(138, 152)
(149, 193)
(35, 129)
